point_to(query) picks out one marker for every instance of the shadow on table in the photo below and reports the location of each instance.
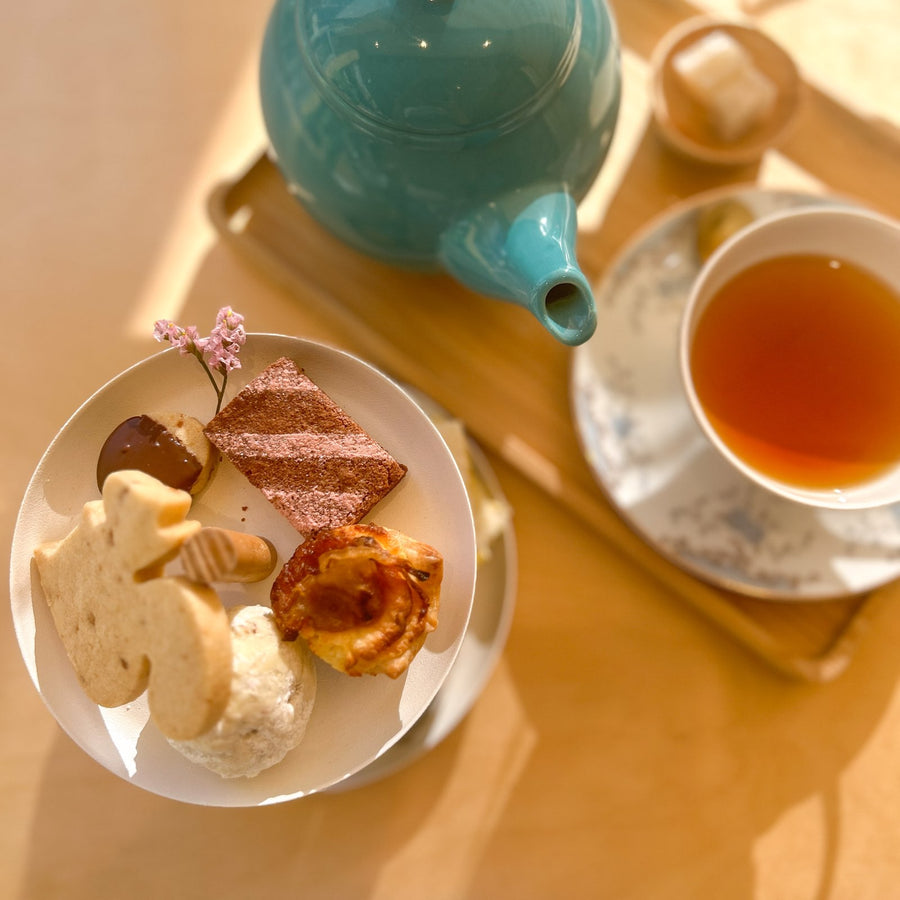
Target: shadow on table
(627, 744)
(94, 835)
(640, 752)
(667, 754)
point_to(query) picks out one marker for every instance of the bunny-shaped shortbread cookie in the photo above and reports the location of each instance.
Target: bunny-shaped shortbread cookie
(125, 625)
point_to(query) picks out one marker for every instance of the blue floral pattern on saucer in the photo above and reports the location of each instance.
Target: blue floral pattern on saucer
(653, 462)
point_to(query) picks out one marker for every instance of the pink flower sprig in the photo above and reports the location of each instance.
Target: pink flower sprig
(216, 353)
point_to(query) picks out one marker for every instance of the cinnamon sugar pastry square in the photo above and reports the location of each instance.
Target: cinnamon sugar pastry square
(312, 461)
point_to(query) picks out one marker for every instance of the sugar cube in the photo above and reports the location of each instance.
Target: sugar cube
(722, 76)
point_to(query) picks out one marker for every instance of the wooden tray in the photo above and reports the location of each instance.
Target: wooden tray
(490, 364)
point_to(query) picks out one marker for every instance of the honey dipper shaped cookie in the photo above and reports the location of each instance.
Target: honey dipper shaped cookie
(127, 627)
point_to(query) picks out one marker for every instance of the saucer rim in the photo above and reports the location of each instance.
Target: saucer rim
(712, 578)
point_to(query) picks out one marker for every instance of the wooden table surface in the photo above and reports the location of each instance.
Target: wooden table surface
(624, 747)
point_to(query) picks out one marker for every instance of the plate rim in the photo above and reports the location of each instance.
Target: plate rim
(22, 576)
(505, 546)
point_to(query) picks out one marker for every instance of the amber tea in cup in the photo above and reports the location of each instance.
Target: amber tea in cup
(791, 355)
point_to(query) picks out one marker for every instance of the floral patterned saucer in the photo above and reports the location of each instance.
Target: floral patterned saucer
(657, 468)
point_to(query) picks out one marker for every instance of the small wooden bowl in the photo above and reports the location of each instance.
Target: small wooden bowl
(683, 121)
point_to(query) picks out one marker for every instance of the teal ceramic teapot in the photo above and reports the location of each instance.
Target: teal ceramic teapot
(454, 134)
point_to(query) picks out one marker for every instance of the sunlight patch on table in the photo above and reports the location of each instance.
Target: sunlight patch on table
(790, 858)
(498, 742)
(634, 112)
(235, 137)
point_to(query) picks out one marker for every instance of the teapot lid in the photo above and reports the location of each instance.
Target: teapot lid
(438, 67)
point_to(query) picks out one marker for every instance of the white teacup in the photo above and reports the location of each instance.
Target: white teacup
(851, 240)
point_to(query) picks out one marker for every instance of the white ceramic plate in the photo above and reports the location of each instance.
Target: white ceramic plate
(489, 625)
(354, 720)
(650, 457)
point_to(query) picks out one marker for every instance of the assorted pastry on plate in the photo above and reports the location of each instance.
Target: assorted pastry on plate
(134, 587)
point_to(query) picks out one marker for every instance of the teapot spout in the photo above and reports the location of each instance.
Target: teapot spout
(522, 248)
